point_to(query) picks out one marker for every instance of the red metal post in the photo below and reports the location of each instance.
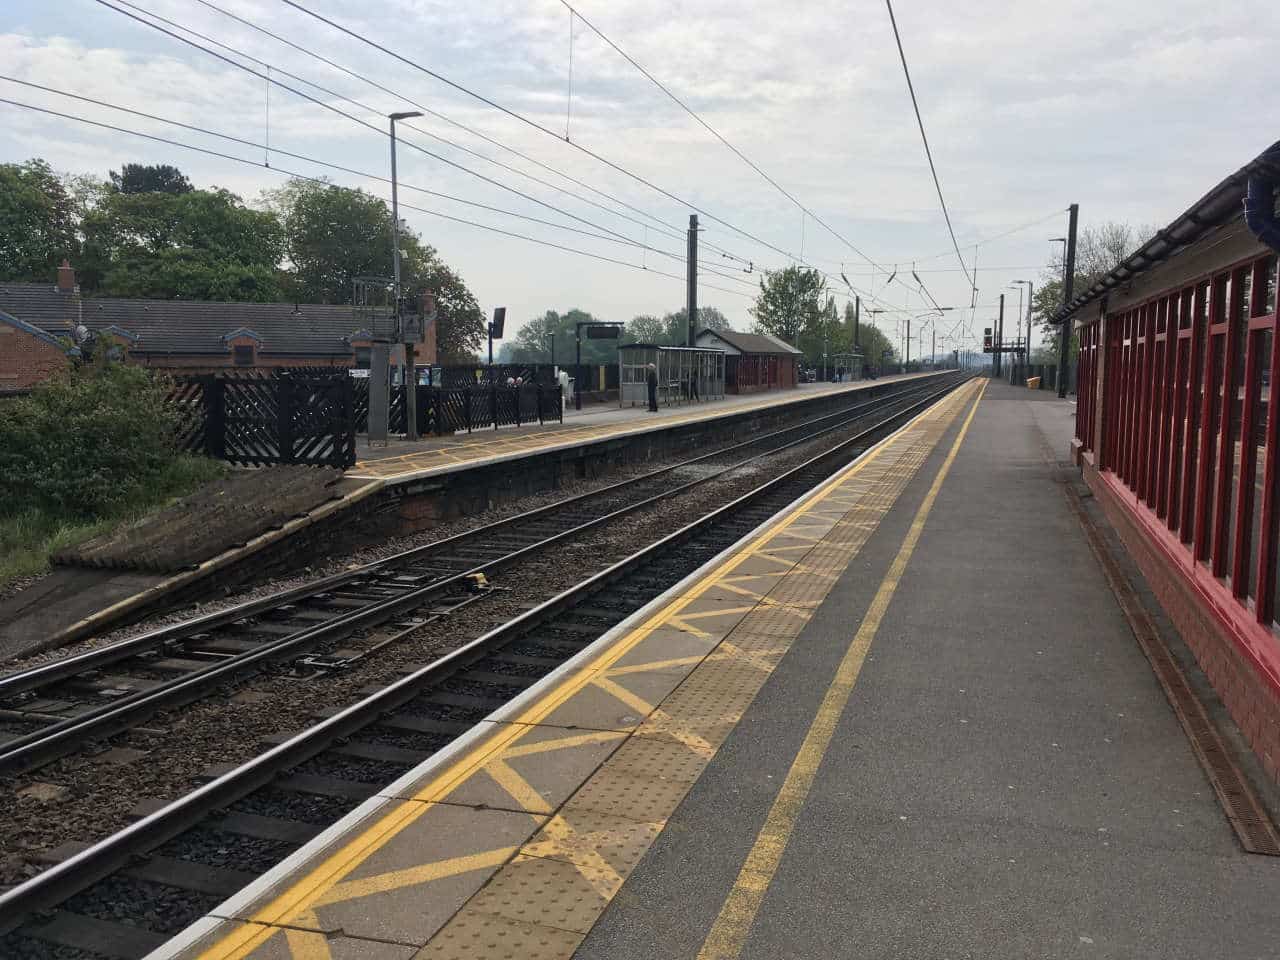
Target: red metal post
(1264, 607)
(1226, 446)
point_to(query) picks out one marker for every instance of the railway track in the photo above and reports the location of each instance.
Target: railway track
(80, 701)
(125, 895)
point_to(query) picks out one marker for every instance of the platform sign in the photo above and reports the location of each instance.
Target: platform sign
(603, 332)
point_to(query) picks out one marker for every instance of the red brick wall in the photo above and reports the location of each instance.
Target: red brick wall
(1252, 703)
(26, 360)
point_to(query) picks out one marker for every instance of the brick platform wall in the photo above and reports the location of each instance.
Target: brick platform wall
(26, 360)
(1252, 703)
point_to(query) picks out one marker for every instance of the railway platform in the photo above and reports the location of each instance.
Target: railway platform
(400, 461)
(907, 717)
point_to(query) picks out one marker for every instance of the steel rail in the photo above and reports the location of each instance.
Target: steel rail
(62, 669)
(49, 743)
(113, 853)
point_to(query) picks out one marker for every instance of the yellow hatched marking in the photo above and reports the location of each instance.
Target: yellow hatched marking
(563, 743)
(307, 944)
(516, 786)
(307, 889)
(663, 722)
(412, 876)
(680, 624)
(654, 666)
(569, 843)
(619, 692)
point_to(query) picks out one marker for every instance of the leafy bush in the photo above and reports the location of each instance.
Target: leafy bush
(88, 447)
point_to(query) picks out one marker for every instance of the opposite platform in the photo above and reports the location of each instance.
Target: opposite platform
(401, 461)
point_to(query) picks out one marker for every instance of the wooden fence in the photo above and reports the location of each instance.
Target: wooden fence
(301, 418)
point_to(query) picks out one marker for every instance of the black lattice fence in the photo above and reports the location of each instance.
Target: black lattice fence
(297, 417)
(446, 410)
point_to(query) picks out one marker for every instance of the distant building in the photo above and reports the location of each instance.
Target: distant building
(41, 323)
(754, 361)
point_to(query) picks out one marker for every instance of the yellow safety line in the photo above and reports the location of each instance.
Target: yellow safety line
(308, 890)
(531, 442)
(729, 933)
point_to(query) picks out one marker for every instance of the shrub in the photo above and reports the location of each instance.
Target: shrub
(87, 446)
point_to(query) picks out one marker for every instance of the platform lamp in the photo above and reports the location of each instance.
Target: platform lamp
(410, 372)
(1063, 241)
(1031, 295)
(873, 311)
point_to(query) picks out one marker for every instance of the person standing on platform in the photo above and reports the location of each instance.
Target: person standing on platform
(651, 378)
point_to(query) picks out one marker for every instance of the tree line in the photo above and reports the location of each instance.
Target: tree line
(146, 231)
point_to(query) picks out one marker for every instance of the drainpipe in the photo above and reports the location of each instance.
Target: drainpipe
(1260, 212)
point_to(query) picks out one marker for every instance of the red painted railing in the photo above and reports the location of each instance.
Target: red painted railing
(1187, 426)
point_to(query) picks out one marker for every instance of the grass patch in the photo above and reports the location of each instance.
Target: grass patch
(83, 454)
(28, 539)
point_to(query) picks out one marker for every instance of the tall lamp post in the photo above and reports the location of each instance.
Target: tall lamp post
(1063, 241)
(410, 372)
(1031, 296)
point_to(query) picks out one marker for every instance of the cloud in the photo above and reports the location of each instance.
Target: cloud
(1131, 110)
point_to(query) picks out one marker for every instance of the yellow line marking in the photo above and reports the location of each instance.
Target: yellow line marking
(517, 787)
(619, 692)
(564, 840)
(303, 893)
(729, 933)
(656, 666)
(564, 743)
(308, 944)
(411, 876)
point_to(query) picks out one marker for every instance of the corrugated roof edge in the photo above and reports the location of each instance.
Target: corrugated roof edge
(1220, 205)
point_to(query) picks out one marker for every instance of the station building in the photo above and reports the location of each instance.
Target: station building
(754, 361)
(41, 325)
(1177, 439)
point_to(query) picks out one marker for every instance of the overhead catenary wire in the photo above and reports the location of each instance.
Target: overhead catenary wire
(867, 294)
(302, 176)
(923, 136)
(540, 127)
(709, 268)
(657, 223)
(805, 211)
(364, 123)
(480, 135)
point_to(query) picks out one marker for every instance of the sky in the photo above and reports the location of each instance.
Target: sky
(1132, 110)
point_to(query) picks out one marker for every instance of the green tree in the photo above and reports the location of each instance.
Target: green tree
(37, 222)
(646, 328)
(531, 342)
(1099, 250)
(334, 234)
(790, 302)
(197, 245)
(144, 178)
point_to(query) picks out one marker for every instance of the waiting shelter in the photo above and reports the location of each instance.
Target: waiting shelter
(685, 374)
(754, 361)
(846, 366)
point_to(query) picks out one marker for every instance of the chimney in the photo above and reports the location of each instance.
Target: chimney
(66, 277)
